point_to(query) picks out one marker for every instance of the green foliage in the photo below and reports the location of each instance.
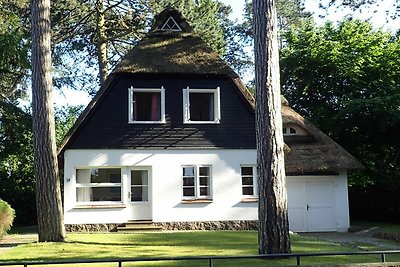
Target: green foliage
(13, 53)
(65, 118)
(17, 181)
(289, 13)
(346, 80)
(7, 215)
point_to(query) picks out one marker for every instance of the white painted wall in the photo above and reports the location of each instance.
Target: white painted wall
(166, 189)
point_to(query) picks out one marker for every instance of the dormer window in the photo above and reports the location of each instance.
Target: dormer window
(201, 105)
(289, 131)
(146, 105)
(170, 25)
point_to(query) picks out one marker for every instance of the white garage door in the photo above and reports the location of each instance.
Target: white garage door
(311, 206)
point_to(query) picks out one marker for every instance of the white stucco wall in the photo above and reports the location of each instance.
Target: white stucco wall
(166, 186)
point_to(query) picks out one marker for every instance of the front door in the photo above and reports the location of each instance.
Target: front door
(140, 194)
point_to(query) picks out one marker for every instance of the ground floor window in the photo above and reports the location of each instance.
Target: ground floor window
(98, 185)
(196, 181)
(249, 180)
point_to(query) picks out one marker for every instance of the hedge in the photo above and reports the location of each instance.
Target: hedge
(7, 215)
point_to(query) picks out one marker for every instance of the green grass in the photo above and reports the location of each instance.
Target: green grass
(168, 244)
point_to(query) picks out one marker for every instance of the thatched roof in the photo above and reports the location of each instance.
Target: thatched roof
(315, 152)
(171, 52)
(181, 52)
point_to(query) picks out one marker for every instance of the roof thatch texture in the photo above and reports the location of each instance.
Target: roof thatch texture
(318, 153)
(173, 52)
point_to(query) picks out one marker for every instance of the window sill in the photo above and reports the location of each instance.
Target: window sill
(103, 206)
(146, 122)
(249, 200)
(197, 201)
(201, 122)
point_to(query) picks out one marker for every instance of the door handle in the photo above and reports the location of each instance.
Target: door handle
(308, 207)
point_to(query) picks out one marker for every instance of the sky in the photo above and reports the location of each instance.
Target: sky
(377, 16)
(378, 19)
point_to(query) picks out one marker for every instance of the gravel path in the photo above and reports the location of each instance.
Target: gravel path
(363, 237)
(10, 241)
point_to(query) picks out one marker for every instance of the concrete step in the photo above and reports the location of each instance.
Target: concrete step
(138, 226)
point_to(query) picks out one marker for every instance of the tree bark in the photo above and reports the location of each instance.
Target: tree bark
(273, 233)
(101, 42)
(48, 193)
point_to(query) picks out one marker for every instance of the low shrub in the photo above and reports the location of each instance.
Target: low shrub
(7, 215)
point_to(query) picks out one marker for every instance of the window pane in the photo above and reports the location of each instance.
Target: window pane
(98, 194)
(204, 171)
(105, 175)
(147, 106)
(201, 106)
(82, 176)
(247, 180)
(139, 177)
(188, 181)
(188, 192)
(139, 193)
(83, 194)
(204, 191)
(248, 191)
(188, 171)
(247, 170)
(292, 130)
(204, 181)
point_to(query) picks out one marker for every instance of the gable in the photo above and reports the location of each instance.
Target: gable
(170, 19)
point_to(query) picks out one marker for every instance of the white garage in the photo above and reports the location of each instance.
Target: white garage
(318, 203)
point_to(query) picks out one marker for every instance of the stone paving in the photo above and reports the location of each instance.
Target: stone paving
(10, 241)
(356, 238)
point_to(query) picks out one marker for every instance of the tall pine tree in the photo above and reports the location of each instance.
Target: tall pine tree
(273, 233)
(48, 193)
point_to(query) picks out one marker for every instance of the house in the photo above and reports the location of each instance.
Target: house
(170, 138)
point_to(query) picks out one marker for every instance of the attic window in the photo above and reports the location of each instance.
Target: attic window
(146, 105)
(171, 25)
(289, 131)
(201, 105)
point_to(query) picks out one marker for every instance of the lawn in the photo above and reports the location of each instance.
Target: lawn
(168, 244)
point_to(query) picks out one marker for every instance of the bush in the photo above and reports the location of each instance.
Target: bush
(7, 215)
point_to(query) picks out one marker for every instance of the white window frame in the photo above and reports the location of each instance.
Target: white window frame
(287, 131)
(164, 26)
(97, 185)
(186, 104)
(197, 182)
(255, 180)
(132, 90)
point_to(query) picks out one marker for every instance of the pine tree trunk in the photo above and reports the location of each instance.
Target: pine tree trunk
(101, 42)
(48, 193)
(273, 233)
